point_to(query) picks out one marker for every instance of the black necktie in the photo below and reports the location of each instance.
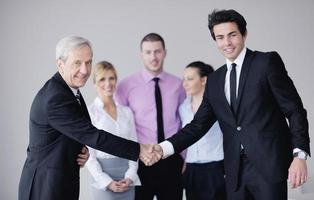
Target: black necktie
(160, 123)
(78, 96)
(233, 88)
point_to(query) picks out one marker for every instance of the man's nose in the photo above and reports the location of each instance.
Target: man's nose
(227, 41)
(84, 69)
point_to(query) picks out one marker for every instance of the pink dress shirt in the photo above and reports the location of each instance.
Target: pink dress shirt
(138, 93)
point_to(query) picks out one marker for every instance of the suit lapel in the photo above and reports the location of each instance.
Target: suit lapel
(222, 96)
(244, 72)
(222, 78)
(83, 106)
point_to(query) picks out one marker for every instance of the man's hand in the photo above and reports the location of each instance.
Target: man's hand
(150, 153)
(297, 172)
(82, 157)
(157, 149)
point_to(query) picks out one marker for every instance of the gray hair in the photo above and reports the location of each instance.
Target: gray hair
(67, 44)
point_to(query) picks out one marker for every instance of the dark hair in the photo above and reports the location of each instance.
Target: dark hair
(222, 16)
(153, 37)
(203, 68)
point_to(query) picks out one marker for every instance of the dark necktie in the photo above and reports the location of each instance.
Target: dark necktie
(160, 123)
(233, 88)
(81, 101)
(78, 96)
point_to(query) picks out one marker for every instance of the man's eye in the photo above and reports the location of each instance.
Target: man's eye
(89, 63)
(78, 63)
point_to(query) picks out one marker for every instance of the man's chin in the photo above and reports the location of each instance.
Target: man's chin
(156, 69)
(81, 84)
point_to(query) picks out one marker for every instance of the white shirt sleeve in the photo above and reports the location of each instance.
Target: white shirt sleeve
(102, 179)
(167, 149)
(296, 150)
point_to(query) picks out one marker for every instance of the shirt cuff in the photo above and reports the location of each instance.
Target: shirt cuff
(296, 150)
(167, 149)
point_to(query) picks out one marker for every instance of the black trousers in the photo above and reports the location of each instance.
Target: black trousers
(252, 186)
(204, 181)
(163, 180)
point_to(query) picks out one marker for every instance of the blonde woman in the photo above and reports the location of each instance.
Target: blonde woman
(113, 178)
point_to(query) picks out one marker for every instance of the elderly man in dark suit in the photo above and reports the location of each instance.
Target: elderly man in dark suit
(60, 126)
(252, 97)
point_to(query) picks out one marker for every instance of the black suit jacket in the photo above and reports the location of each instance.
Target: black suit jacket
(58, 128)
(266, 98)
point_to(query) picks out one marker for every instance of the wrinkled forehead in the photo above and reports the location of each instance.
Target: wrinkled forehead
(83, 53)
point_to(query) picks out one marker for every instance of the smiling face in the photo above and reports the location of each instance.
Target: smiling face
(106, 82)
(153, 55)
(229, 40)
(76, 69)
(193, 83)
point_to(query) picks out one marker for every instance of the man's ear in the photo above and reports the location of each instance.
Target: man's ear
(141, 55)
(60, 65)
(204, 79)
(245, 35)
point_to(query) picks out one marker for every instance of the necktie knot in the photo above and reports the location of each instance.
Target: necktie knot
(233, 65)
(156, 79)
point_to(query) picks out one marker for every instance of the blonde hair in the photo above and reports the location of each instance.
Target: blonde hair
(102, 66)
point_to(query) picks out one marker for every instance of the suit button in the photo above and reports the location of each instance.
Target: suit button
(239, 128)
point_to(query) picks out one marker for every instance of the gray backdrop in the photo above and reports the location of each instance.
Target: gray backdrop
(30, 30)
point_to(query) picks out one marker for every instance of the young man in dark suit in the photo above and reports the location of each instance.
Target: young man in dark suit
(252, 97)
(60, 126)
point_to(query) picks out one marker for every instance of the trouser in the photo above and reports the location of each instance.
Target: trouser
(163, 180)
(252, 186)
(204, 181)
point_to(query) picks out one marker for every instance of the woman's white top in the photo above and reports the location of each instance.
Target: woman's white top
(123, 127)
(210, 147)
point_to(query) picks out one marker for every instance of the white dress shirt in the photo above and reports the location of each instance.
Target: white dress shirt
(210, 147)
(122, 127)
(239, 61)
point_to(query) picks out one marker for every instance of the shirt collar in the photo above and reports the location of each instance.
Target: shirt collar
(73, 90)
(100, 103)
(187, 100)
(147, 76)
(239, 60)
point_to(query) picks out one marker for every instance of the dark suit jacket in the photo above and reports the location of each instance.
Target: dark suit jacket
(266, 98)
(58, 128)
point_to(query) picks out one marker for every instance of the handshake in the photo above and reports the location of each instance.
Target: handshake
(150, 153)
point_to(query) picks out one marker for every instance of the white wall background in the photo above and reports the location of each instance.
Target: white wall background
(29, 31)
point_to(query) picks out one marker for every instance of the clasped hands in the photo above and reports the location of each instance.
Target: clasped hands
(150, 153)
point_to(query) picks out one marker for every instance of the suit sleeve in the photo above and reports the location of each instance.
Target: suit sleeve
(289, 101)
(198, 127)
(64, 116)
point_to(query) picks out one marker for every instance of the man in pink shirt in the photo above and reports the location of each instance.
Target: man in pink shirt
(154, 96)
